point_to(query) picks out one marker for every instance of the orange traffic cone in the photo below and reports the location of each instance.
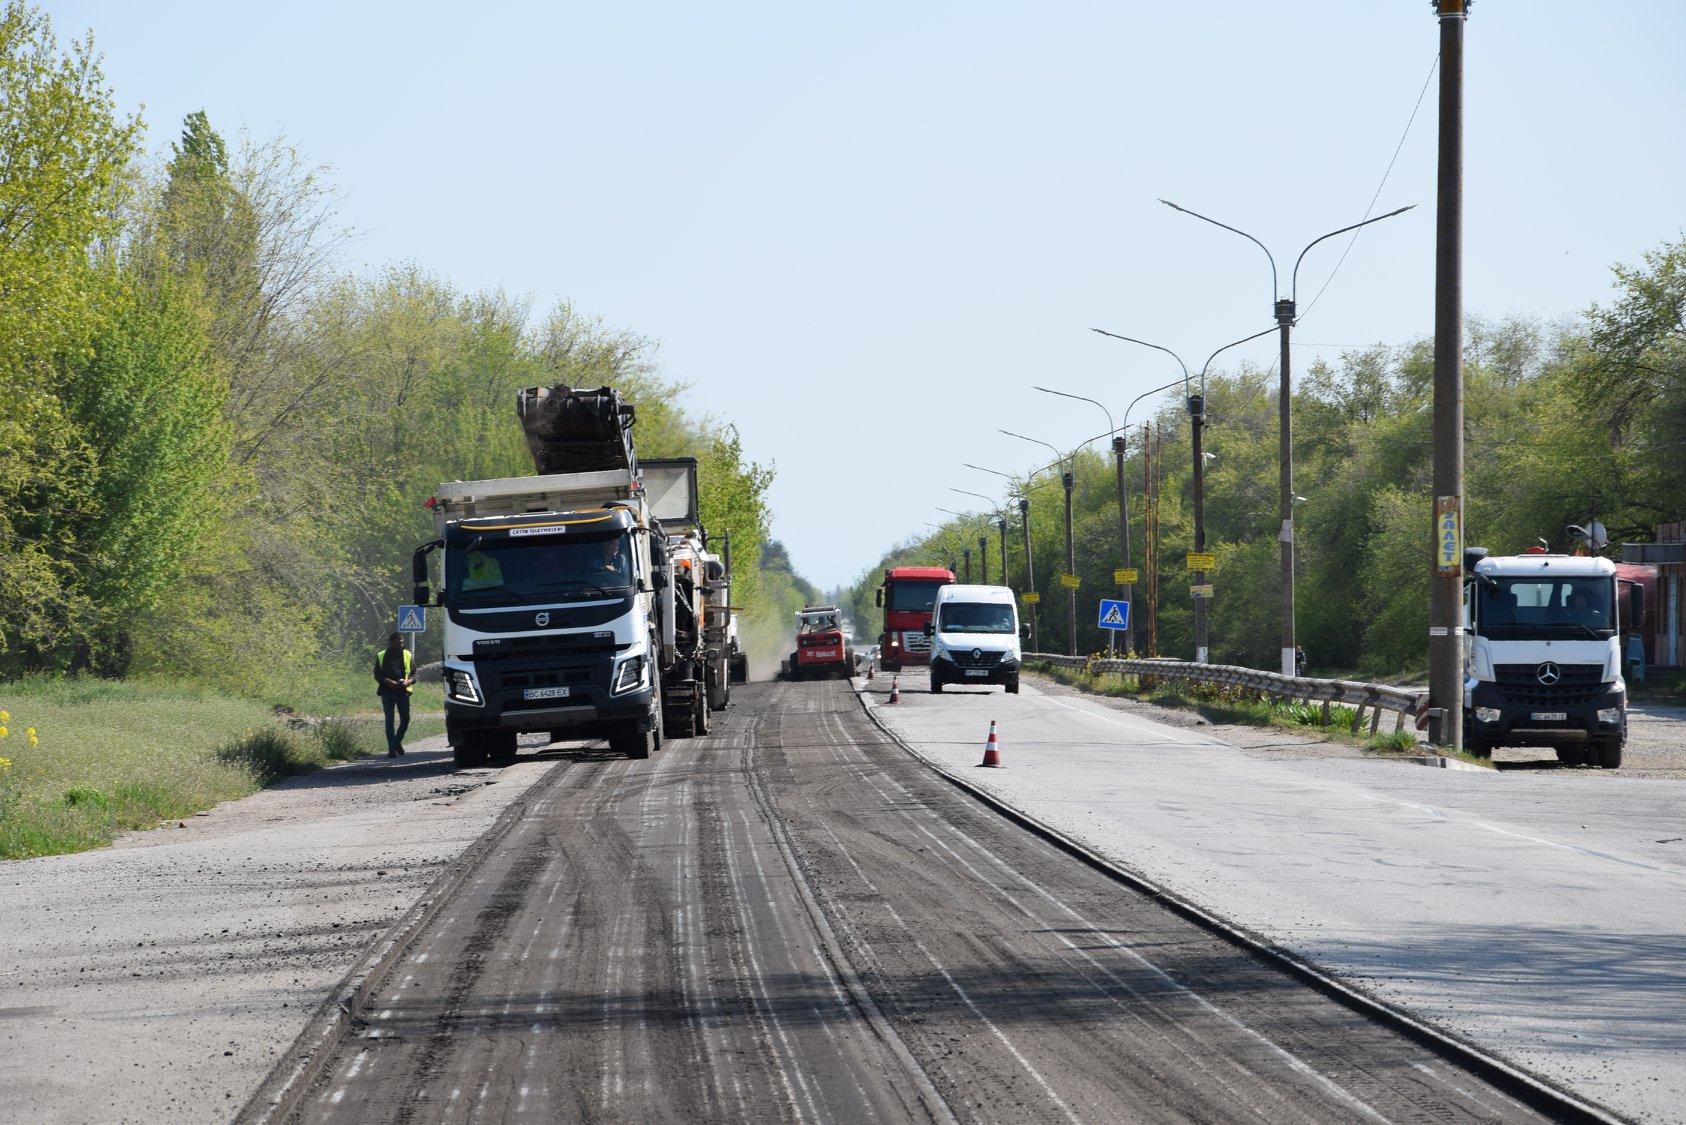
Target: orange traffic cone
(992, 757)
(896, 690)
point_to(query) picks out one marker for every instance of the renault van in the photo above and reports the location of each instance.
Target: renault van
(974, 633)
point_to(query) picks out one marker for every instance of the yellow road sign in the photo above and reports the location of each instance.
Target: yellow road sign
(1200, 591)
(1204, 560)
(1032, 597)
(1070, 581)
(1125, 575)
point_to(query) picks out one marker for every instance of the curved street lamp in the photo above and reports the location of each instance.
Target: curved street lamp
(1284, 308)
(983, 540)
(1067, 479)
(1197, 417)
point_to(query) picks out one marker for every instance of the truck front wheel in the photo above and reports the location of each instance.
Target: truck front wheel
(472, 751)
(1610, 754)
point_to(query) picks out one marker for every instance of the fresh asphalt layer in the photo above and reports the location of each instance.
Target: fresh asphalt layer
(1542, 920)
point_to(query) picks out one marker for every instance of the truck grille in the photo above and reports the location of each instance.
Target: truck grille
(1527, 686)
(973, 658)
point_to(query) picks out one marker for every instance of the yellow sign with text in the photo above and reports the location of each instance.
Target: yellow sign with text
(1032, 597)
(1070, 581)
(1125, 575)
(1448, 536)
(1203, 560)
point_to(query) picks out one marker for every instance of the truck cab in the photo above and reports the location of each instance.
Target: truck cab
(1544, 657)
(907, 596)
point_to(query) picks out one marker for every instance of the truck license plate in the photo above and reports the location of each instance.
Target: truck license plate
(545, 693)
(1549, 716)
(822, 654)
(977, 671)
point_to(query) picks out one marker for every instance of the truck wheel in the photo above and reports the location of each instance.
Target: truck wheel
(936, 682)
(471, 751)
(1013, 686)
(631, 741)
(1610, 755)
(1572, 755)
(739, 668)
(501, 746)
(795, 668)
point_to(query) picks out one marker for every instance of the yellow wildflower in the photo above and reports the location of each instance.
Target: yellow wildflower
(4, 732)
(5, 716)
(5, 763)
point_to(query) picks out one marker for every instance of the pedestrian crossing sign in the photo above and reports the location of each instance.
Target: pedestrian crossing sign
(1114, 614)
(412, 619)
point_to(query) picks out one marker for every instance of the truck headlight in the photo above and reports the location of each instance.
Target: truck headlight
(1486, 714)
(460, 686)
(629, 675)
(1610, 716)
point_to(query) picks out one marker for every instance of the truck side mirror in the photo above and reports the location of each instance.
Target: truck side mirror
(421, 594)
(879, 597)
(1636, 606)
(1024, 632)
(930, 629)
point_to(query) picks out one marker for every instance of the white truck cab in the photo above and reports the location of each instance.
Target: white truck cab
(1543, 655)
(975, 635)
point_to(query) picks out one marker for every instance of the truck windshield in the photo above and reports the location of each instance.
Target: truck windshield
(912, 597)
(1517, 608)
(975, 617)
(498, 570)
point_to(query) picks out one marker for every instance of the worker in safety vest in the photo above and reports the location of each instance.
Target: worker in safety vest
(393, 679)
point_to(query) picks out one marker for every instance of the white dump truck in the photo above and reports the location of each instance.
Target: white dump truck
(1543, 649)
(562, 611)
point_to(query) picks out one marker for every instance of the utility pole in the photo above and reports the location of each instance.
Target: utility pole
(1445, 632)
(1029, 569)
(1068, 480)
(1197, 419)
(1124, 538)
(1001, 526)
(983, 556)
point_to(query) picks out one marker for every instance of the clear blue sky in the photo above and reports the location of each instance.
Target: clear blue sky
(863, 231)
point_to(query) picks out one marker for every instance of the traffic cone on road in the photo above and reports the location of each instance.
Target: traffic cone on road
(992, 756)
(896, 690)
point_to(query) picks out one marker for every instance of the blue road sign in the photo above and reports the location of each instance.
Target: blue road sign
(412, 619)
(1114, 614)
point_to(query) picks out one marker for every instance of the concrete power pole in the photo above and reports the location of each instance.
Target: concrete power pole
(1445, 634)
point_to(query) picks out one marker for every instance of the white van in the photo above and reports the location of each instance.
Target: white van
(974, 633)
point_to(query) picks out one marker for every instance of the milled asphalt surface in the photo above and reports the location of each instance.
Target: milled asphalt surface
(1542, 918)
(1539, 916)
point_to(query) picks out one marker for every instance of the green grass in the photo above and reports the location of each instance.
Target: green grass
(111, 756)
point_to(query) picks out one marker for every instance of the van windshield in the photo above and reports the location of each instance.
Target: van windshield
(975, 617)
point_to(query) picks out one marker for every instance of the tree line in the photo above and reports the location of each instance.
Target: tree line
(1564, 423)
(215, 445)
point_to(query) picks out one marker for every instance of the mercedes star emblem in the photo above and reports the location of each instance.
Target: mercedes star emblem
(1548, 673)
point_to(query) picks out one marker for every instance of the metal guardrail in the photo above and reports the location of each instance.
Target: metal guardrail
(1374, 697)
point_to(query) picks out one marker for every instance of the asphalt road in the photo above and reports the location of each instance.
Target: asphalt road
(793, 920)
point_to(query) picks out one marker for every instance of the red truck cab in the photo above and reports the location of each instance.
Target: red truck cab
(907, 595)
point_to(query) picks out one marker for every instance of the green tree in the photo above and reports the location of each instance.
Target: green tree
(66, 149)
(147, 402)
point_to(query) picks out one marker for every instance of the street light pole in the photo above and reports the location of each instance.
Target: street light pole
(1197, 418)
(1029, 568)
(1123, 515)
(1284, 310)
(1067, 479)
(983, 539)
